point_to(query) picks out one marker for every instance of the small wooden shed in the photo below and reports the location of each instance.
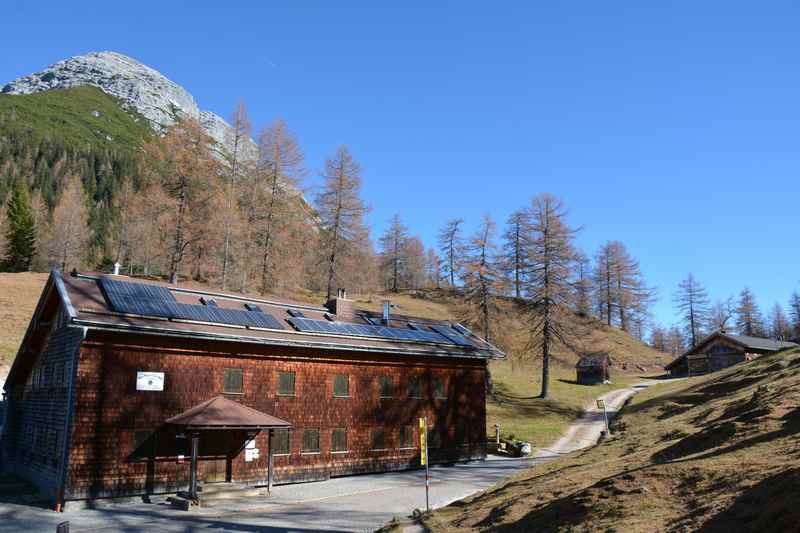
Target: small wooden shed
(592, 369)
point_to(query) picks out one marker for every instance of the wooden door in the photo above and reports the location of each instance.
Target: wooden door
(215, 470)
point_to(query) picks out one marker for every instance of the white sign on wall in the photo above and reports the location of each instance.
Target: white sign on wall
(150, 381)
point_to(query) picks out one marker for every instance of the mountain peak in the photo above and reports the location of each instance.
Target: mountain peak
(143, 88)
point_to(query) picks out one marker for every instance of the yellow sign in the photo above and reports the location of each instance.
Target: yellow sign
(423, 448)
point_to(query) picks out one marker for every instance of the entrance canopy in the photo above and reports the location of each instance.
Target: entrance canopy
(222, 413)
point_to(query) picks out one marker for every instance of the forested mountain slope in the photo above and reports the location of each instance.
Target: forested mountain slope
(48, 137)
(713, 453)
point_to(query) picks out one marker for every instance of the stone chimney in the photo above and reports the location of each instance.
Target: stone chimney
(341, 306)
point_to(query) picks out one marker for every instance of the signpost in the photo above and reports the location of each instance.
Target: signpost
(423, 458)
(601, 404)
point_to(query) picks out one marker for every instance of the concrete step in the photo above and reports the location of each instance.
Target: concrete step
(224, 491)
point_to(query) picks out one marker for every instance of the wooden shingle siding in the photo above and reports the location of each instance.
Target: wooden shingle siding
(105, 461)
(37, 424)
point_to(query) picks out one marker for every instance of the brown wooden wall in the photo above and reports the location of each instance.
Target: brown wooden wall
(104, 460)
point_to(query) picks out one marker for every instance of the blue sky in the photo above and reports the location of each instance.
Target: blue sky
(670, 127)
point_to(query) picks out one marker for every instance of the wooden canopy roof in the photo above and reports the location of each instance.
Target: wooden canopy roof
(221, 413)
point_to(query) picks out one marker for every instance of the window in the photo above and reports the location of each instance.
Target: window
(233, 382)
(142, 444)
(280, 444)
(438, 389)
(310, 441)
(341, 385)
(387, 387)
(434, 437)
(407, 436)
(339, 440)
(286, 383)
(414, 389)
(378, 439)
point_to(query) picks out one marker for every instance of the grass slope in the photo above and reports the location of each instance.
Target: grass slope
(84, 117)
(713, 453)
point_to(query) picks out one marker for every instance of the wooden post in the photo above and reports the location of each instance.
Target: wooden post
(269, 461)
(193, 467)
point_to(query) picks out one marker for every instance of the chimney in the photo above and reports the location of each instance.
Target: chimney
(385, 318)
(341, 306)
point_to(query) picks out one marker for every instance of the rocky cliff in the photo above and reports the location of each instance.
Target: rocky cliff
(152, 94)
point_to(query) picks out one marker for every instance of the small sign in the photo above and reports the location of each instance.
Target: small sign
(251, 444)
(150, 381)
(250, 454)
(601, 404)
(181, 459)
(423, 448)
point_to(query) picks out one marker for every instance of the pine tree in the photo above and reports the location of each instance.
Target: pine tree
(583, 284)
(551, 256)
(341, 211)
(779, 328)
(748, 317)
(517, 227)
(794, 314)
(20, 231)
(451, 247)
(691, 300)
(393, 244)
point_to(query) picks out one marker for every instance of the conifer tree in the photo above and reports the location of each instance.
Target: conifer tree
(748, 317)
(66, 239)
(794, 314)
(451, 247)
(393, 244)
(551, 256)
(779, 328)
(691, 300)
(517, 227)
(20, 231)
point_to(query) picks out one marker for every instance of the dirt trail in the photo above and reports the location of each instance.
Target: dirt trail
(586, 430)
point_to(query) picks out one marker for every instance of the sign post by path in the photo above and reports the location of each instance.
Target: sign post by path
(601, 404)
(423, 458)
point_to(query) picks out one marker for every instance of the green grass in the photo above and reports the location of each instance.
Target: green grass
(522, 414)
(67, 115)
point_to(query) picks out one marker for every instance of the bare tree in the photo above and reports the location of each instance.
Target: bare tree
(433, 268)
(676, 343)
(604, 283)
(583, 284)
(182, 163)
(414, 263)
(658, 339)
(513, 258)
(720, 314)
(239, 136)
(794, 314)
(67, 238)
(779, 328)
(280, 167)
(691, 300)
(340, 209)
(451, 247)
(393, 244)
(748, 317)
(551, 256)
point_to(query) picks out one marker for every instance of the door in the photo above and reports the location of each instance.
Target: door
(215, 470)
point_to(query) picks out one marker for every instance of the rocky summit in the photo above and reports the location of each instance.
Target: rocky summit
(152, 94)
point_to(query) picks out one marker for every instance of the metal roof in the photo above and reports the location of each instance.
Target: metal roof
(745, 341)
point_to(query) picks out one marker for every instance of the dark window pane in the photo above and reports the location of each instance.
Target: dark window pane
(339, 440)
(407, 437)
(341, 385)
(143, 444)
(434, 437)
(286, 383)
(387, 387)
(280, 443)
(310, 441)
(378, 440)
(233, 382)
(438, 388)
(414, 390)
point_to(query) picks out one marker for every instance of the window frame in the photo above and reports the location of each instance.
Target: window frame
(288, 449)
(225, 372)
(410, 430)
(303, 450)
(436, 394)
(418, 382)
(294, 383)
(347, 382)
(386, 380)
(372, 433)
(333, 440)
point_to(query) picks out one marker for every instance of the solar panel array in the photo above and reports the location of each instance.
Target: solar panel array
(154, 300)
(452, 334)
(420, 335)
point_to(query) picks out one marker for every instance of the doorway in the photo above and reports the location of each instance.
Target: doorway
(215, 470)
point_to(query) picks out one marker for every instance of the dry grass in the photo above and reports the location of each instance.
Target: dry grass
(714, 453)
(19, 294)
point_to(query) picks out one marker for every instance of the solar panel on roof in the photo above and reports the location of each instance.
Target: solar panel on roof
(453, 335)
(253, 307)
(154, 300)
(211, 302)
(295, 313)
(358, 330)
